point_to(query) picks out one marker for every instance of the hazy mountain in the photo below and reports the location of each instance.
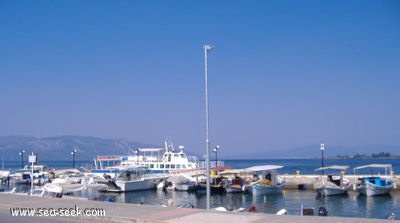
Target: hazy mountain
(60, 147)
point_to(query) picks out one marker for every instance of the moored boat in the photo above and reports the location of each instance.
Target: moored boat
(158, 160)
(332, 184)
(267, 182)
(133, 178)
(375, 184)
(235, 180)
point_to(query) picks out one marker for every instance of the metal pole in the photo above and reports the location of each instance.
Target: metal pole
(322, 157)
(32, 161)
(206, 49)
(216, 158)
(22, 159)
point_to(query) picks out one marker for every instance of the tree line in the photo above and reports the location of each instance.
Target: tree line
(363, 156)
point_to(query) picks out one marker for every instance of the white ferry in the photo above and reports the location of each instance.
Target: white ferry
(159, 160)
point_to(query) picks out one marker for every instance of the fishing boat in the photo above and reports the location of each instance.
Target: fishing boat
(158, 160)
(374, 183)
(217, 181)
(267, 182)
(332, 184)
(134, 178)
(178, 182)
(235, 180)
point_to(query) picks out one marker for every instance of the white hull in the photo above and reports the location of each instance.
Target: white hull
(332, 190)
(140, 184)
(328, 188)
(370, 189)
(53, 188)
(258, 189)
(187, 186)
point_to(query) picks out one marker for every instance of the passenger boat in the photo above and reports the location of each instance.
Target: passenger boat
(265, 183)
(332, 184)
(159, 160)
(375, 184)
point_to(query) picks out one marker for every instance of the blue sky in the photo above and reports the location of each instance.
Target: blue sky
(283, 74)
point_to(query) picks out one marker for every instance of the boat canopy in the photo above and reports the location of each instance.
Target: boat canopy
(152, 149)
(263, 168)
(334, 167)
(232, 171)
(386, 166)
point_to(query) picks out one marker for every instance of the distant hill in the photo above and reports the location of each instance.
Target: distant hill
(60, 147)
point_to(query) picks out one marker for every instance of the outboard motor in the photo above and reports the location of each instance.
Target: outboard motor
(322, 211)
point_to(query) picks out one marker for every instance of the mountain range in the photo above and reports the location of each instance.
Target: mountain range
(60, 148)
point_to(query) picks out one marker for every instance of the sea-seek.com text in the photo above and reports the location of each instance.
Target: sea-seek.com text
(67, 212)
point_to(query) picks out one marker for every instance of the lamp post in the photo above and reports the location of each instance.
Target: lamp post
(322, 157)
(206, 49)
(22, 158)
(73, 152)
(216, 155)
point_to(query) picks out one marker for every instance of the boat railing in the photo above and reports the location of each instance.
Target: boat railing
(202, 164)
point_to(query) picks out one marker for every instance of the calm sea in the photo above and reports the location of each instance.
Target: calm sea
(350, 205)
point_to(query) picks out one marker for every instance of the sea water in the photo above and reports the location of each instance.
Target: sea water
(351, 205)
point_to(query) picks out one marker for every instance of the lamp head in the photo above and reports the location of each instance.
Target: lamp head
(208, 47)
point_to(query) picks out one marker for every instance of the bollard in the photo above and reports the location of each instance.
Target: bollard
(297, 172)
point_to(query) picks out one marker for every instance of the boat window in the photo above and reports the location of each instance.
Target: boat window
(166, 166)
(151, 166)
(190, 165)
(172, 166)
(183, 166)
(183, 155)
(161, 166)
(176, 155)
(169, 157)
(178, 166)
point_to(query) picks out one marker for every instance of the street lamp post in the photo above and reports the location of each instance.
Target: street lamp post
(216, 155)
(22, 158)
(206, 49)
(73, 152)
(322, 157)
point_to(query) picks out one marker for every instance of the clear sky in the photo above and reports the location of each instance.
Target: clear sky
(282, 75)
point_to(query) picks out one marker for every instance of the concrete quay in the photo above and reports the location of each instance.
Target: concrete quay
(124, 212)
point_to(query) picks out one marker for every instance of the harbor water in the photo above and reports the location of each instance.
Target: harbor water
(351, 205)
